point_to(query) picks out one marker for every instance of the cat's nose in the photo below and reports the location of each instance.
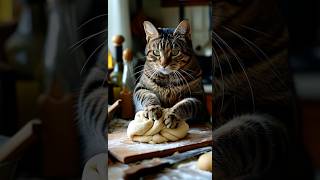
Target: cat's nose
(164, 63)
(163, 66)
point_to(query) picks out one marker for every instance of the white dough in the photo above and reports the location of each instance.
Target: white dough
(145, 130)
(205, 162)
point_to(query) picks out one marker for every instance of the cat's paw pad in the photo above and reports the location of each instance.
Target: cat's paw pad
(153, 112)
(171, 120)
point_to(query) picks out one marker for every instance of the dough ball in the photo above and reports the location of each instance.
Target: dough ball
(205, 162)
(144, 130)
(140, 125)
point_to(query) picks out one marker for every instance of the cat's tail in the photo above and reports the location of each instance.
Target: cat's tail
(249, 147)
(92, 113)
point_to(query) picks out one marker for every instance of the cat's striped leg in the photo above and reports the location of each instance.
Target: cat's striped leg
(249, 147)
(148, 102)
(186, 109)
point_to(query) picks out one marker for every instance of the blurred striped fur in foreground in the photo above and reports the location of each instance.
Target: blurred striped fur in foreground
(255, 125)
(92, 111)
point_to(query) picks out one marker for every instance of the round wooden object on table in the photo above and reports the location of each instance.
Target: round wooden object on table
(205, 162)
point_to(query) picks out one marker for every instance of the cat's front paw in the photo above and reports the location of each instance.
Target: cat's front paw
(171, 120)
(153, 112)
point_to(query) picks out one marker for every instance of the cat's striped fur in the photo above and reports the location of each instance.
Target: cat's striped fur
(254, 114)
(92, 111)
(171, 76)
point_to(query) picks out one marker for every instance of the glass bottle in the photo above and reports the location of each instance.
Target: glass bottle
(116, 75)
(127, 110)
(24, 48)
(24, 51)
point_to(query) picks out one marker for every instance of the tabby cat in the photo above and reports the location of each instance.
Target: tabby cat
(255, 127)
(171, 76)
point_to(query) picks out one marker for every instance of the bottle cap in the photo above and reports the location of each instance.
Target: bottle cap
(127, 55)
(118, 40)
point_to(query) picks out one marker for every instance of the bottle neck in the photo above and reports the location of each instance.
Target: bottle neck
(125, 76)
(119, 54)
(118, 67)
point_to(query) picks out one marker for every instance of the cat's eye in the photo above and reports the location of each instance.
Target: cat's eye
(174, 52)
(156, 52)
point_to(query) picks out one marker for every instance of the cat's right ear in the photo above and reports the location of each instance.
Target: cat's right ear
(150, 30)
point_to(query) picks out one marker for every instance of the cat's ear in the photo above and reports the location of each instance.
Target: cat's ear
(183, 28)
(150, 30)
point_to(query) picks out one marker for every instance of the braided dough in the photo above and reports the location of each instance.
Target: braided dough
(142, 129)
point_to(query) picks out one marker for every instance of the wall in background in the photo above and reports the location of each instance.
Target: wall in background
(119, 22)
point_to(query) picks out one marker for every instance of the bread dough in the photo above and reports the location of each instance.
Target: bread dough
(205, 162)
(142, 129)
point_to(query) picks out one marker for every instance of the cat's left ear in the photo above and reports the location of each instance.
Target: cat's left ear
(183, 28)
(150, 30)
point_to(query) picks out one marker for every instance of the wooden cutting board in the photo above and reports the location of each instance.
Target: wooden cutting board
(127, 151)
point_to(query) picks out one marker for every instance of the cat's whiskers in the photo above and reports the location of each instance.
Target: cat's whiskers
(174, 77)
(222, 78)
(92, 19)
(252, 45)
(244, 26)
(139, 58)
(186, 82)
(180, 85)
(138, 72)
(188, 74)
(153, 74)
(137, 67)
(88, 59)
(226, 57)
(146, 71)
(255, 30)
(140, 68)
(84, 40)
(136, 81)
(241, 65)
(221, 72)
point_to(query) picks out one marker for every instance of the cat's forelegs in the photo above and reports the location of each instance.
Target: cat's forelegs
(188, 108)
(148, 102)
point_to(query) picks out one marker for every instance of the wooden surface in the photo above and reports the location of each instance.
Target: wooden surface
(127, 151)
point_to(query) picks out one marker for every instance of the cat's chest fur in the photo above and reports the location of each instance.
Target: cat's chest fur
(171, 92)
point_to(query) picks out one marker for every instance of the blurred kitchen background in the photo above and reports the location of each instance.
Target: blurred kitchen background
(43, 48)
(44, 45)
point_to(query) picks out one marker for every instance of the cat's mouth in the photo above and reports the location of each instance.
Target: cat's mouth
(165, 71)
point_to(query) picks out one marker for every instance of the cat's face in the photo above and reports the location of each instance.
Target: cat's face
(168, 50)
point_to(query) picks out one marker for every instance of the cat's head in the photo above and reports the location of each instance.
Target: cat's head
(168, 49)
